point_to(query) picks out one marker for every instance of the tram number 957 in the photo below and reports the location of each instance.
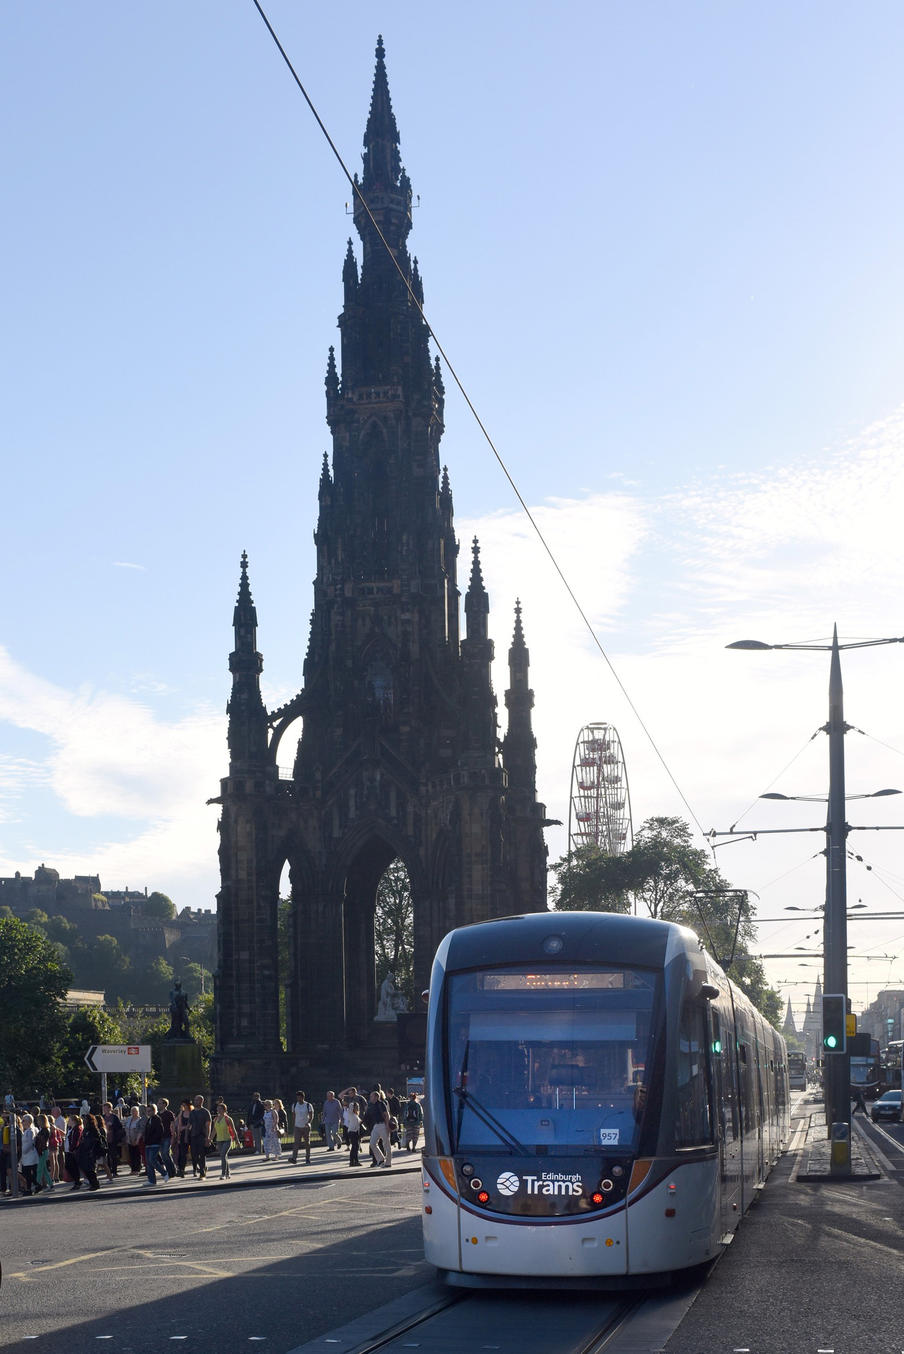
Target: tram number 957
(608, 1137)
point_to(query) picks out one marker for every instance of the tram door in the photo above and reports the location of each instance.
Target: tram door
(728, 1122)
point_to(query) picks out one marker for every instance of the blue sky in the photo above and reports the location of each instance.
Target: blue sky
(661, 246)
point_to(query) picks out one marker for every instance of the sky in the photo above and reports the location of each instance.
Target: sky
(660, 246)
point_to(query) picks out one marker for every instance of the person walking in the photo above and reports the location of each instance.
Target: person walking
(199, 1136)
(182, 1133)
(28, 1161)
(43, 1143)
(134, 1130)
(411, 1121)
(272, 1145)
(154, 1134)
(224, 1135)
(168, 1119)
(331, 1117)
(302, 1118)
(91, 1144)
(376, 1119)
(73, 1138)
(115, 1137)
(352, 1123)
(255, 1121)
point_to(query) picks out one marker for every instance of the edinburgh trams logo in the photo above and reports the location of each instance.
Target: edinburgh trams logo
(550, 1182)
(508, 1183)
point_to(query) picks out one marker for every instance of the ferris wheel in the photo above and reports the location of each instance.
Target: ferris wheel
(599, 812)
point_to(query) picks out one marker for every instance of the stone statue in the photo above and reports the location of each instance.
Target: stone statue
(392, 1001)
(179, 1009)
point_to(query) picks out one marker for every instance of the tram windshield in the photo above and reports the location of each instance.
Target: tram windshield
(549, 1057)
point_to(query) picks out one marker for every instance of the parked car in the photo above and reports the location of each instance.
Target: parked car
(888, 1106)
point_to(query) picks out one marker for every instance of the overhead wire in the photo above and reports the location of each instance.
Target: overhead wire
(489, 440)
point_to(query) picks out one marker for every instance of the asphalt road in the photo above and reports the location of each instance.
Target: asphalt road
(814, 1267)
(213, 1271)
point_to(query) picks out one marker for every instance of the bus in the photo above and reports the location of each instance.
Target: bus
(797, 1071)
(890, 1066)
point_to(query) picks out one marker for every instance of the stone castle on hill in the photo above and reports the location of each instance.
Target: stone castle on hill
(400, 755)
(190, 937)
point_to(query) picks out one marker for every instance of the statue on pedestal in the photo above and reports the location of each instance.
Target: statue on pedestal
(392, 1002)
(179, 1009)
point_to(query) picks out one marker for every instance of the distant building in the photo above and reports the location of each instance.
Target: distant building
(190, 937)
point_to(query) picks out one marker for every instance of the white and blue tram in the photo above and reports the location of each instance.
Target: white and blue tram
(602, 1103)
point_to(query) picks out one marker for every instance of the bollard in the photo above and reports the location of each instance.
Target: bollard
(841, 1149)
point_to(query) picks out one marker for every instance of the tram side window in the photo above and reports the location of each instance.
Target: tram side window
(693, 1118)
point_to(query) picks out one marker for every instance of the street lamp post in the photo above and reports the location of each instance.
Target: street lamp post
(837, 1065)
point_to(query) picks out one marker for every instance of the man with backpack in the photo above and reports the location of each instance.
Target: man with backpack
(412, 1120)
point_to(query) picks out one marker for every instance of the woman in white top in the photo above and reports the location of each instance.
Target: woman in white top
(29, 1158)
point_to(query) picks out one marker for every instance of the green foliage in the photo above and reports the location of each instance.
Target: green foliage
(667, 877)
(158, 905)
(589, 881)
(394, 929)
(102, 964)
(33, 984)
(202, 1028)
(195, 980)
(154, 984)
(60, 929)
(86, 1026)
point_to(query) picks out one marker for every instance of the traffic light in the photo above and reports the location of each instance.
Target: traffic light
(834, 1022)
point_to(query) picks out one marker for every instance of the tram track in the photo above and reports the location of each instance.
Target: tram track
(492, 1322)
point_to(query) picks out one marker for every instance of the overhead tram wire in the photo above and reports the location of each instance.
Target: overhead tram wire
(467, 399)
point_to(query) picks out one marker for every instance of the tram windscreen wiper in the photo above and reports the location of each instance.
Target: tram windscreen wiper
(508, 1139)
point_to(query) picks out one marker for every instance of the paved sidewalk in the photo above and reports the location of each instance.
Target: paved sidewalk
(815, 1161)
(245, 1172)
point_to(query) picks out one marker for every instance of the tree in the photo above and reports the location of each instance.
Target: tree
(86, 1026)
(32, 1024)
(672, 880)
(158, 905)
(154, 984)
(196, 979)
(394, 929)
(103, 964)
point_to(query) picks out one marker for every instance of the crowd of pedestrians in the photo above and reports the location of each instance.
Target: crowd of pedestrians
(58, 1149)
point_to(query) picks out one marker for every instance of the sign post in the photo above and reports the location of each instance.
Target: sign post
(10, 1105)
(104, 1058)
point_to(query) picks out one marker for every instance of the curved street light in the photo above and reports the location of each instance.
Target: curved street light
(837, 1076)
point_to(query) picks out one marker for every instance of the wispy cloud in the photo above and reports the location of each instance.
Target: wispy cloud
(109, 757)
(125, 564)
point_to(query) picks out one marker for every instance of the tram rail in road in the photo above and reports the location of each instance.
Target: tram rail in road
(434, 1322)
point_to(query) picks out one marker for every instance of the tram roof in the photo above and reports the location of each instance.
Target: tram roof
(605, 937)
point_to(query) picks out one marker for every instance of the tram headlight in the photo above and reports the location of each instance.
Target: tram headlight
(476, 1183)
(467, 1170)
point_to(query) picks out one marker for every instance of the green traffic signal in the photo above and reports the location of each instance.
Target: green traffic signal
(834, 1022)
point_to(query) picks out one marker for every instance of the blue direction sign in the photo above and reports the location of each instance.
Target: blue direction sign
(119, 1058)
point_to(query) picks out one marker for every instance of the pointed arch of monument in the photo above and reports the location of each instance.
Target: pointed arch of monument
(366, 853)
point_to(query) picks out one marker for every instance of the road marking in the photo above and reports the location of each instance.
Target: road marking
(60, 1264)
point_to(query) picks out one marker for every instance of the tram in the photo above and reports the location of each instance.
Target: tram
(602, 1103)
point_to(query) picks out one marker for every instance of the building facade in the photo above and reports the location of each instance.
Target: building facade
(399, 754)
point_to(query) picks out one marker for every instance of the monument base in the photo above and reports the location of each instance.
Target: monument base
(180, 1070)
